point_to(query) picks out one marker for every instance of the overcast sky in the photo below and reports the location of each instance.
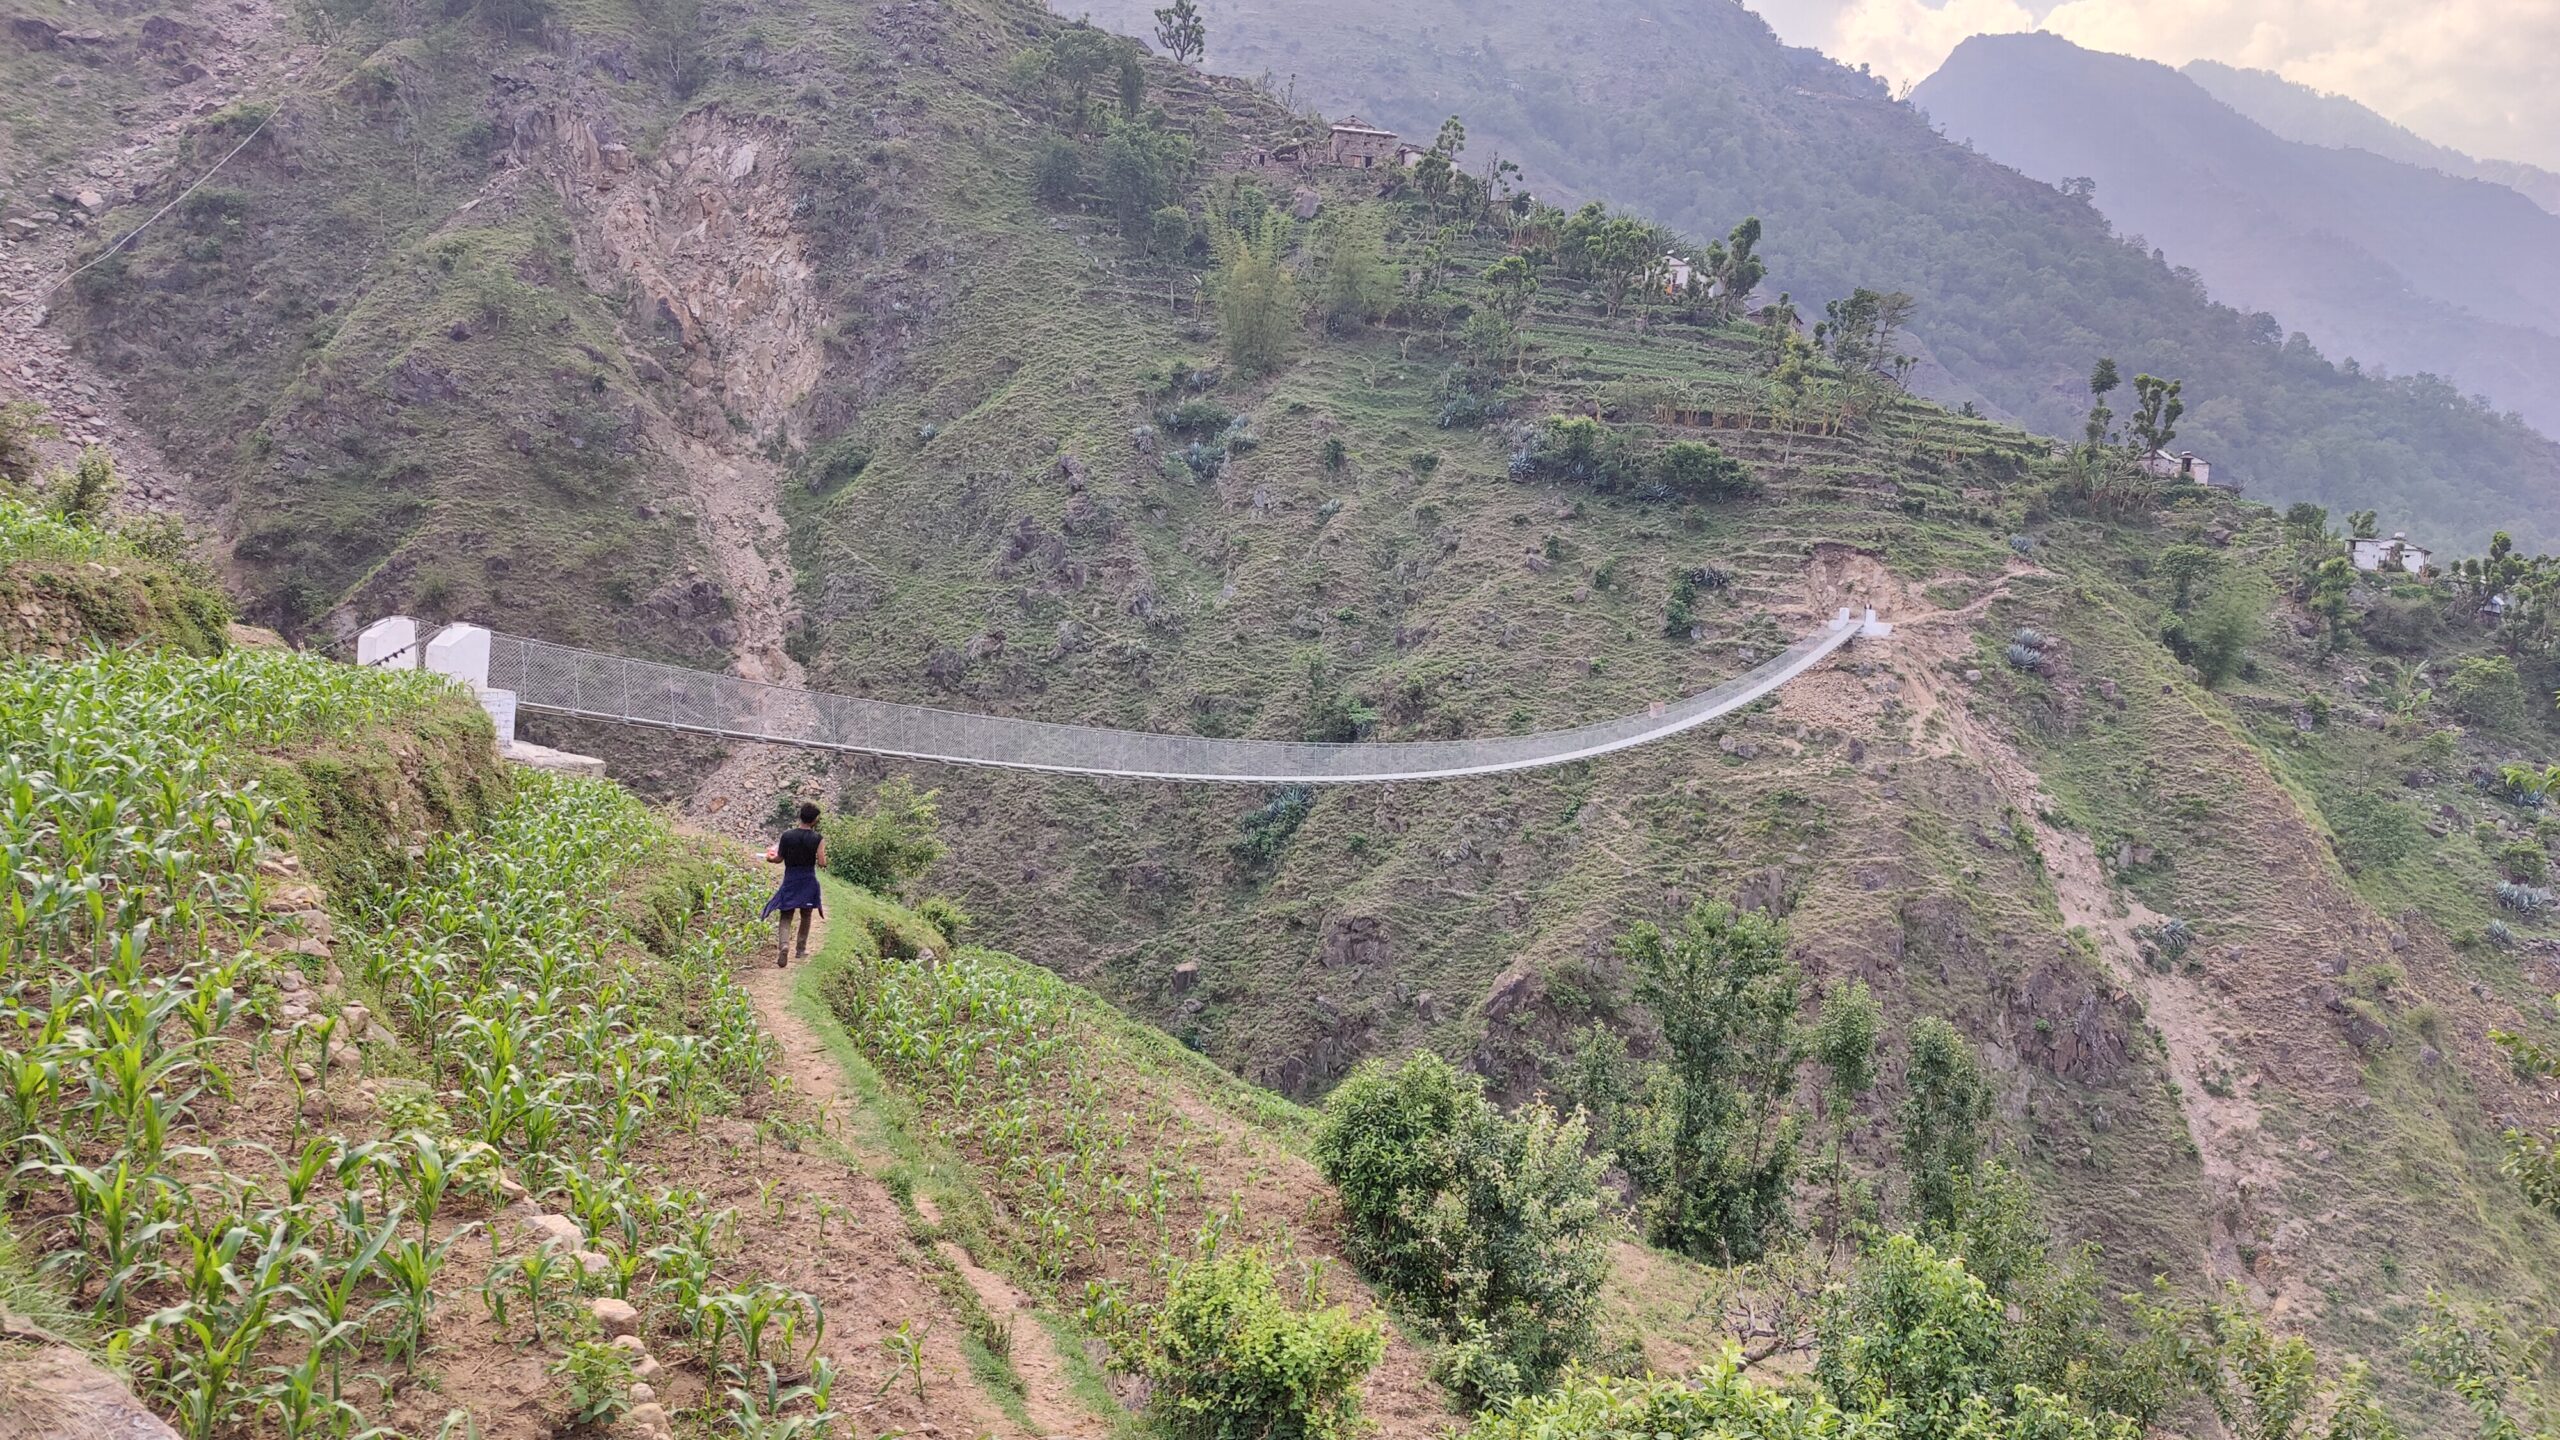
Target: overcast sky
(2479, 75)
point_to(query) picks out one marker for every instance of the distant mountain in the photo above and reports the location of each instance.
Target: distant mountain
(1697, 115)
(2316, 117)
(2390, 262)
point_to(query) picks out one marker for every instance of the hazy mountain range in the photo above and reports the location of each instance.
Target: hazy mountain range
(2316, 117)
(2349, 246)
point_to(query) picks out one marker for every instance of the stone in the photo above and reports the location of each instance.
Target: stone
(301, 895)
(642, 1393)
(742, 162)
(54, 1391)
(616, 1317)
(593, 1265)
(646, 1367)
(631, 1343)
(554, 1231)
(304, 1073)
(616, 157)
(1185, 975)
(650, 1417)
(355, 1017)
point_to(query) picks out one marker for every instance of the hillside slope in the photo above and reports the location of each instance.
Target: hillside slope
(1697, 115)
(2325, 238)
(2314, 117)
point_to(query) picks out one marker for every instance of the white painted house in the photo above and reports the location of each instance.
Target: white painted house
(2395, 553)
(1677, 272)
(2185, 465)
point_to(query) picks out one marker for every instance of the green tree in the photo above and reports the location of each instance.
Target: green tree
(1719, 1155)
(2477, 1356)
(1844, 1045)
(2182, 566)
(1133, 84)
(1255, 295)
(1057, 170)
(2364, 524)
(2333, 583)
(1169, 233)
(1945, 1111)
(1354, 282)
(888, 846)
(1620, 252)
(1181, 31)
(1069, 66)
(1140, 167)
(1491, 1228)
(2225, 625)
(2102, 381)
(1510, 284)
(2156, 408)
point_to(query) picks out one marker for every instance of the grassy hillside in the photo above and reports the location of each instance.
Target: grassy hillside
(1697, 115)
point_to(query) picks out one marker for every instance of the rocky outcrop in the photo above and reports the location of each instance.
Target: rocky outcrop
(50, 1391)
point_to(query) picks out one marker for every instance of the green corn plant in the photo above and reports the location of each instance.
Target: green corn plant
(118, 1215)
(412, 1266)
(906, 1347)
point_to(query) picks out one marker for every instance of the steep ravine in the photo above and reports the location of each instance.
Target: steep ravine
(722, 320)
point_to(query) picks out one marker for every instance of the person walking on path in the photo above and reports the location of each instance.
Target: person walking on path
(799, 852)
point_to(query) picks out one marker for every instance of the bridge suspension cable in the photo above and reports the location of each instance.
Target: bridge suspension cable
(513, 673)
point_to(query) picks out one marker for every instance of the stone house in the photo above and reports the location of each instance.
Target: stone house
(2185, 465)
(1361, 145)
(2395, 553)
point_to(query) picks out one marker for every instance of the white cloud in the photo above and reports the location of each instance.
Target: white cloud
(2480, 75)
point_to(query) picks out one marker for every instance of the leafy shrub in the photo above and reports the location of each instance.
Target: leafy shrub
(835, 463)
(22, 426)
(1227, 1360)
(2497, 934)
(1490, 1228)
(599, 1380)
(889, 845)
(1267, 830)
(2024, 657)
(1057, 170)
(2165, 943)
(1469, 397)
(1333, 454)
(1693, 470)
(945, 915)
(2485, 690)
(1195, 419)
(2524, 862)
(1580, 449)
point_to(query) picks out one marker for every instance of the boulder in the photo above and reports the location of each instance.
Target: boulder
(615, 1317)
(554, 1231)
(49, 1391)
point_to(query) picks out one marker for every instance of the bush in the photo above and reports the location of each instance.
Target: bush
(2485, 690)
(599, 1380)
(946, 916)
(1693, 470)
(1267, 830)
(1226, 1360)
(2524, 862)
(1057, 171)
(1490, 1228)
(891, 844)
(1195, 419)
(1581, 449)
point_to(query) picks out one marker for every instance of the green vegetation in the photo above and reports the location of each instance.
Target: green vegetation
(888, 846)
(67, 579)
(1488, 1226)
(1226, 1358)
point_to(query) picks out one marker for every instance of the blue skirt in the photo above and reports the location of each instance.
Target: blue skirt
(799, 891)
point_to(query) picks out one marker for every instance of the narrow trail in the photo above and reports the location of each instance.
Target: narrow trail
(1049, 1394)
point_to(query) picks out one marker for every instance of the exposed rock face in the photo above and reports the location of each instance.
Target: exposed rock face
(53, 1392)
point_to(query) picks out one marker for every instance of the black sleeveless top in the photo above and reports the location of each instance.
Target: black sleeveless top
(799, 847)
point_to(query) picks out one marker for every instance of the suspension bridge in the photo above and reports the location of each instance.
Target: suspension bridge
(512, 674)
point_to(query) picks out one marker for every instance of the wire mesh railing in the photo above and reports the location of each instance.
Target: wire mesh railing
(560, 680)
